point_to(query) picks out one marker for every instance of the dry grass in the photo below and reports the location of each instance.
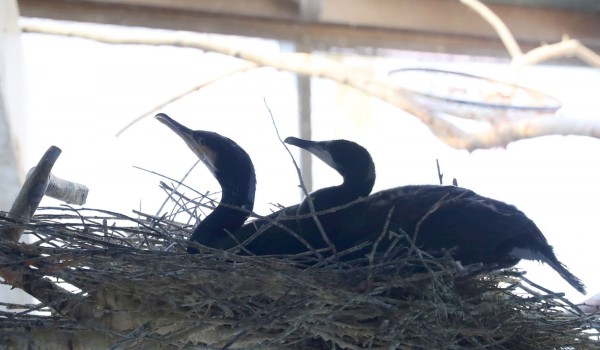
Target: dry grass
(148, 293)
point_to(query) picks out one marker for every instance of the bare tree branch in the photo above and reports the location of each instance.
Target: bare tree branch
(380, 86)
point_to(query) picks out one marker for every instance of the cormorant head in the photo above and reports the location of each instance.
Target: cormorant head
(226, 160)
(352, 161)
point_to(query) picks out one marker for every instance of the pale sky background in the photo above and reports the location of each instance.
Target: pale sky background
(79, 93)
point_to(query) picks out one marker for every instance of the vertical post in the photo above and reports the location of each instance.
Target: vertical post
(303, 91)
(11, 119)
(309, 11)
(304, 111)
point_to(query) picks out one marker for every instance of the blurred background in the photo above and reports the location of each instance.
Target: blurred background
(80, 93)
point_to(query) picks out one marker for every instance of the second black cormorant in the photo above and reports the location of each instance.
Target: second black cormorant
(352, 161)
(476, 229)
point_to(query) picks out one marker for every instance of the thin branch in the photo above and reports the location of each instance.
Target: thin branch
(439, 171)
(501, 29)
(240, 69)
(308, 198)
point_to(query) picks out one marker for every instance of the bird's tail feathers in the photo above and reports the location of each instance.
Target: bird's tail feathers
(550, 259)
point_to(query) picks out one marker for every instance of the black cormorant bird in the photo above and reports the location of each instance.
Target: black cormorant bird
(476, 229)
(233, 169)
(293, 230)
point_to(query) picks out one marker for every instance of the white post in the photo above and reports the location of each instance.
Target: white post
(12, 119)
(11, 106)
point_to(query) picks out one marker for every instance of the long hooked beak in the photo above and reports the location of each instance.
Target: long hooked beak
(185, 133)
(304, 144)
(194, 140)
(315, 147)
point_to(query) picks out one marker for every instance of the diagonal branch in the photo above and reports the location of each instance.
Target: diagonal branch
(499, 26)
(242, 68)
(380, 86)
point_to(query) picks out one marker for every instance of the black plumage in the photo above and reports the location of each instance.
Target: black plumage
(233, 169)
(476, 229)
(352, 161)
(439, 218)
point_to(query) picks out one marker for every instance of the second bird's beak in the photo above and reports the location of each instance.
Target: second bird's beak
(192, 139)
(314, 147)
(304, 144)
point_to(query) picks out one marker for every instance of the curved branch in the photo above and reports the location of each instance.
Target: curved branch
(501, 29)
(381, 87)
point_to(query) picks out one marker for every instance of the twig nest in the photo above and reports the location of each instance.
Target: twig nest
(117, 292)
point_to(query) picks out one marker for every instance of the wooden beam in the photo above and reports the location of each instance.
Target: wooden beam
(424, 25)
(528, 24)
(247, 8)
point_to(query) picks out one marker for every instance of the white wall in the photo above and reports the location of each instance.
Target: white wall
(10, 76)
(12, 119)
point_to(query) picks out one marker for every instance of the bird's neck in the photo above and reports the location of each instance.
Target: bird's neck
(351, 189)
(357, 186)
(231, 213)
(335, 196)
(223, 221)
